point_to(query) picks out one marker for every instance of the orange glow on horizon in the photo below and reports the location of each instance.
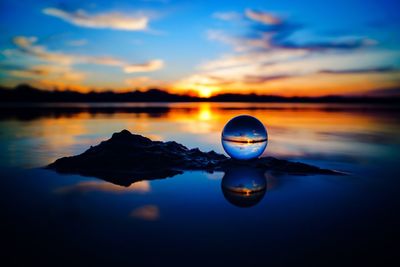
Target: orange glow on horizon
(315, 85)
(199, 90)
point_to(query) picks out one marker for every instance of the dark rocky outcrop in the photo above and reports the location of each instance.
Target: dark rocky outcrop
(126, 158)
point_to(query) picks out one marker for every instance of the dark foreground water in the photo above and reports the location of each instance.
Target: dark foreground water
(189, 220)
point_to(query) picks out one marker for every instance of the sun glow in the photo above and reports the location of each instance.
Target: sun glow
(201, 85)
(204, 91)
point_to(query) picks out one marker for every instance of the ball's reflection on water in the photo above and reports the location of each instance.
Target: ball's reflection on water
(244, 186)
(244, 137)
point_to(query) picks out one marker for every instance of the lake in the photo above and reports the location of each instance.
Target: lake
(188, 220)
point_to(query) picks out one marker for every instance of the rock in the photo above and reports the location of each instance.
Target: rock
(126, 158)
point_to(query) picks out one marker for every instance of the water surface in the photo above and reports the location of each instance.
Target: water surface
(189, 219)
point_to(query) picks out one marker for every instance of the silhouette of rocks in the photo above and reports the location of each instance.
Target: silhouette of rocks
(126, 158)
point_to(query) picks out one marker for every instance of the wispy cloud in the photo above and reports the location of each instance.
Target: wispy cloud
(395, 91)
(24, 41)
(267, 55)
(228, 16)
(257, 79)
(268, 31)
(360, 71)
(36, 64)
(64, 73)
(262, 17)
(28, 46)
(114, 20)
(250, 58)
(145, 67)
(349, 44)
(50, 76)
(240, 44)
(143, 82)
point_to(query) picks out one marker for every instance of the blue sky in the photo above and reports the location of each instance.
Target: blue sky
(203, 47)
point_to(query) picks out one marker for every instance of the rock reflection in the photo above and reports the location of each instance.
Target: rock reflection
(244, 186)
(101, 186)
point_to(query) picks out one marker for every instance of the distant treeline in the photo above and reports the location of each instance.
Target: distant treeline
(28, 94)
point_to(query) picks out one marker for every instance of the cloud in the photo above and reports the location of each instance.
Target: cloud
(384, 92)
(28, 73)
(49, 76)
(145, 67)
(213, 81)
(268, 56)
(146, 212)
(269, 39)
(239, 44)
(49, 69)
(286, 72)
(257, 79)
(28, 46)
(267, 31)
(205, 80)
(203, 83)
(262, 17)
(50, 72)
(24, 42)
(228, 16)
(116, 21)
(360, 71)
(251, 58)
(350, 44)
(143, 82)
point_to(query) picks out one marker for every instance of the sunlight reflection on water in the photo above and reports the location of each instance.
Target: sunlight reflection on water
(295, 130)
(191, 215)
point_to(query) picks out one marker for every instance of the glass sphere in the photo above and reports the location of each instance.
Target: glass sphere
(244, 186)
(244, 137)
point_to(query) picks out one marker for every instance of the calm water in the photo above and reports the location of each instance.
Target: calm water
(187, 220)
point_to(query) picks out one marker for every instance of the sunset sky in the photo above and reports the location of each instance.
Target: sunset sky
(289, 48)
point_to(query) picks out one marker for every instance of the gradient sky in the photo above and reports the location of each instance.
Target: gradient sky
(307, 48)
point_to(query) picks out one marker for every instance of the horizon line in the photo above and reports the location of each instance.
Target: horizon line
(194, 97)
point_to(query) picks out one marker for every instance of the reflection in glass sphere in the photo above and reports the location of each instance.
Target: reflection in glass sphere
(244, 186)
(244, 137)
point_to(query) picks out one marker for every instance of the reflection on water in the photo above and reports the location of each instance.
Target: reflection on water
(102, 186)
(244, 186)
(300, 131)
(146, 212)
(52, 218)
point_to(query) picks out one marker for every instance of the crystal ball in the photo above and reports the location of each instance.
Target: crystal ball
(244, 137)
(244, 186)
